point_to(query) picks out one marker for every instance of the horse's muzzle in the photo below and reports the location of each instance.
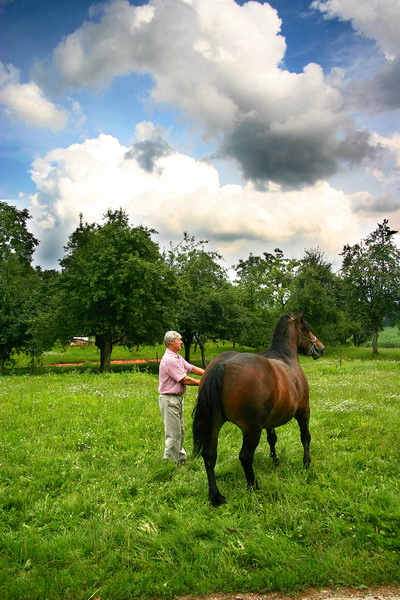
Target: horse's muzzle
(317, 350)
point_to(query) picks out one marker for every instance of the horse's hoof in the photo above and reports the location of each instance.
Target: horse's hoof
(218, 500)
(275, 460)
(253, 486)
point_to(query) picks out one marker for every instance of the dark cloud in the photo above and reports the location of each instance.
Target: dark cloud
(293, 158)
(356, 147)
(379, 94)
(147, 152)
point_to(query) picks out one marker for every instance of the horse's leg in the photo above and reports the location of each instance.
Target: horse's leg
(272, 439)
(209, 455)
(303, 417)
(250, 443)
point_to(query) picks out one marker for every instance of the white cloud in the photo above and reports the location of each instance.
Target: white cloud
(390, 172)
(221, 64)
(386, 203)
(376, 19)
(182, 194)
(393, 144)
(27, 102)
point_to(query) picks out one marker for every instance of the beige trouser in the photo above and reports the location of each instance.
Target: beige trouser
(171, 408)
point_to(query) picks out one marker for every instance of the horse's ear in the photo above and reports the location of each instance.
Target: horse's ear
(297, 316)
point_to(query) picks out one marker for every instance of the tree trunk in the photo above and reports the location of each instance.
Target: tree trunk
(375, 335)
(187, 342)
(105, 345)
(4, 356)
(203, 354)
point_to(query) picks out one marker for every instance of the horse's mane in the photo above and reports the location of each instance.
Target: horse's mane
(279, 345)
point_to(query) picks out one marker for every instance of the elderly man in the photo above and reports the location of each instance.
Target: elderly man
(173, 379)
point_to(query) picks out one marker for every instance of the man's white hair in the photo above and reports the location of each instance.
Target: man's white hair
(171, 336)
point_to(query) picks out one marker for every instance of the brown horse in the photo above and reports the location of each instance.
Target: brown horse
(255, 392)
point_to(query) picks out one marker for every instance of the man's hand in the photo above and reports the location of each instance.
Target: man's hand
(190, 381)
(197, 370)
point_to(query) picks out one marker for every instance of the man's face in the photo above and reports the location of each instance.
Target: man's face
(176, 345)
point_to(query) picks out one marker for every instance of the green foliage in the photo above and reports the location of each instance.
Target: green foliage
(89, 509)
(205, 302)
(42, 318)
(85, 357)
(264, 287)
(371, 274)
(266, 281)
(319, 291)
(15, 239)
(390, 338)
(115, 285)
(28, 317)
(19, 283)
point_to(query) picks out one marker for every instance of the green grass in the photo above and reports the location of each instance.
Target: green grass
(389, 338)
(87, 356)
(89, 509)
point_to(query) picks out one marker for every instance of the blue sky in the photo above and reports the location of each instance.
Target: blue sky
(253, 125)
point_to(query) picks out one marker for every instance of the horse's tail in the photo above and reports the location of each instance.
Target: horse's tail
(207, 408)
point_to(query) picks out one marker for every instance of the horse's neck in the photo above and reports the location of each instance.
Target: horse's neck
(292, 345)
(285, 353)
(284, 343)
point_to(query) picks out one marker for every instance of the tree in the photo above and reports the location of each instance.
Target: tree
(371, 274)
(18, 281)
(268, 278)
(115, 285)
(319, 291)
(204, 305)
(43, 320)
(264, 287)
(15, 239)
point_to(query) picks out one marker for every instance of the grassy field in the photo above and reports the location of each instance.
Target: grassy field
(88, 509)
(86, 358)
(389, 338)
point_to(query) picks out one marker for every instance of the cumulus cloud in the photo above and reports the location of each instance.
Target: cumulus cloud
(376, 19)
(393, 143)
(391, 146)
(378, 94)
(26, 101)
(276, 153)
(385, 203)
(151, 145)
(99, 174)
(221, 63)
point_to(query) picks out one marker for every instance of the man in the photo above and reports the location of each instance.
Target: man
(173, 379)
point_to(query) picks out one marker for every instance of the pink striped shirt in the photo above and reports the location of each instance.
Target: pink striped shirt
(173, 368)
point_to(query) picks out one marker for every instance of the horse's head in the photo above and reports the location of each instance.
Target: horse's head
(307, 342)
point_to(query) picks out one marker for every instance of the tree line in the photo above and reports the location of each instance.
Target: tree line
(116, 286)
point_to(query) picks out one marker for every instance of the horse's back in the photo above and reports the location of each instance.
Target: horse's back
(220, 358)
(223, 357)
(262, 392)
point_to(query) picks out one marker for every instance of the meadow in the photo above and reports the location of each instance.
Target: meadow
(88, 508)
